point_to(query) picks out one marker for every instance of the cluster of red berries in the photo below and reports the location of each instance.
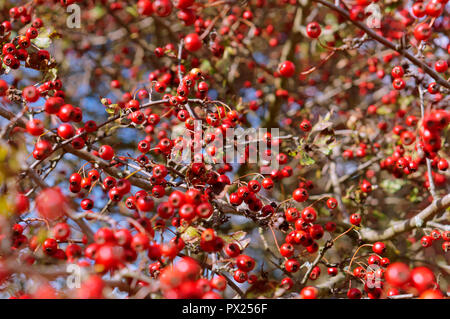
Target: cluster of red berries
(373, 275)
(183, 281)
(430, 132)
(361, 152)
(304, 235)
(19, 49)
(435, 235)
(400, 163)
(418, 280)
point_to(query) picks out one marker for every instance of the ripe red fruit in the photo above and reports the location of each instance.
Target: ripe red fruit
(50, 246)
(104, 235)
(145, 7)
(431, 294)
(87, 204)
(398, 83)
(441, 66)
(332, 203)
(292, 265)
(366, 186)
(267, 183)
(114, 194)
(287, 283)
(309, 214)
(397, 274)
(232, 250)
(35, 127)
(66, 131)
(434, 8)
(286, 69)
(162, 8)
(305, 125)
(22, 204)
(332, 271)
(426, 241)
(51, 204)
(286, 250)
(140, 242)
(192, 42)
(316, 231)
(61, 231)
(397, 72)
(245, 263)
(30, 94)
(433, 88)
(240, 276)
(300, 195)
(145, 204)
(422, 31)
(106, 152)
(354, 293)
(422, 278)
(309, 293)
(3, 87)
(109, 256)
(183, 4)
(418, 9)
(379, 248)
(355, 219)
(53, 105)
(313, 30)
(442, 164)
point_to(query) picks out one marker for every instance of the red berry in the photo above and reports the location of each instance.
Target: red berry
(426, 241)
(163, 8)
(245, 263)
(66, 131)
(286, 69)
(422, 31)
(332, 203)
(355, 219)
(300, 195)
(192, 42)
(106, 152)
(397, 274)
(35, 127)
(441, 66)
(379, 248)
(422, 278)
(30, 94)
(309, 293)
(313, 30)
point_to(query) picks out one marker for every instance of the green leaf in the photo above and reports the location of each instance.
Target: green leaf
(42, 42)
(190, 235)
(306, 160)
(111, 109)
(377, 214)
(392, 186)
(322, 123)
(132, 11)
(206, 66)
(52, 74)
(99, 11)
(325, 141)
(414, 196)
